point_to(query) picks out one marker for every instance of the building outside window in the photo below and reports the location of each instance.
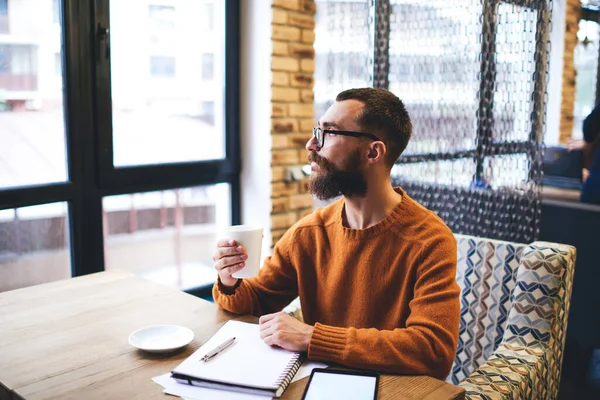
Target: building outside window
(208, 66)
(163, 189)
(162, 66)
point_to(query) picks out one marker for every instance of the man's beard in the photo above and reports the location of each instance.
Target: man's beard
(330, 181)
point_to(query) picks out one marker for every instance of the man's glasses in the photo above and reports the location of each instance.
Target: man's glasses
(319, 135)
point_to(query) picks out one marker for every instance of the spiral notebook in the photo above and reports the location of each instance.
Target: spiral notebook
(248, 365)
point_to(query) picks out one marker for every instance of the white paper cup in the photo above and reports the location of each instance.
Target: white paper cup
(250, 238)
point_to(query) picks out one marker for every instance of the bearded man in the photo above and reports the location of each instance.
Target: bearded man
(375, 270)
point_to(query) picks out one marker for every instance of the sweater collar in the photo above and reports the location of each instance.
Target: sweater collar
(392, 219)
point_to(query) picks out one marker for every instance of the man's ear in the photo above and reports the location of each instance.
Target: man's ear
(377, 152)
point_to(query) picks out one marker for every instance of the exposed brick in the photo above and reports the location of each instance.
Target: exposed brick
(307, 65)
(303, 213)
(283, 221)
(279, 110)
(303, 186)
(279, 141)
(279, 189)
(302, 155)
(301, 20)
(307, 96)
(289, 33)
(298, 140)
(288, 4)
(292, 66)
(284, 64)
(279, 16)
(284, 157)
(280, 78)
(285, 94)
(301, 50)
(306, 125)
(569, 73)
(301, 80)
(280, 204)
(277, 174)
(301, 110)
(304, 200)
(308, 35)
(287, 125)
(309, 6)
(279, 48)
(276, 235)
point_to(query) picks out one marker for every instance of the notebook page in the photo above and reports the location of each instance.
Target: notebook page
(248, 361)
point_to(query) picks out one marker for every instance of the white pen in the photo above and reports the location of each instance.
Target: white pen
(209, 356)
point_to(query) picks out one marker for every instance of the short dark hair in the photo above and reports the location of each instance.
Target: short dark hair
(383, 112)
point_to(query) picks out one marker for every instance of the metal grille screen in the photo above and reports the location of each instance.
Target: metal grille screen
(473, 75)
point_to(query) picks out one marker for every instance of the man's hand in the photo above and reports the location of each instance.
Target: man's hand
(229, 258)
(283, 330)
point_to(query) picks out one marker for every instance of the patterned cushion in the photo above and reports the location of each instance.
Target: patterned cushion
(486, 274)
(527, 362)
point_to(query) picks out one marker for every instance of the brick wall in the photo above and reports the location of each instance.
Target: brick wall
(573, 14)
(292, 116)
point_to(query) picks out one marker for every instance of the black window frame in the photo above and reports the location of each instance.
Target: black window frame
(89, 142)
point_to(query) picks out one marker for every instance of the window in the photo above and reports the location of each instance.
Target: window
(58, 64)
(208, 17)
(4, 59)
(586, 65)
(208, 66)
(162, 66)
(56, 11)
(162, 24)
(93, 174)
(3, 16)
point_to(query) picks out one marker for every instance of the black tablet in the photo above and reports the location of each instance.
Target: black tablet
(332, 384)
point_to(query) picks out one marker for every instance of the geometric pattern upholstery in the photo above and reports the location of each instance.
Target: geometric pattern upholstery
(514, 306)
(486, 273)
(525, 363)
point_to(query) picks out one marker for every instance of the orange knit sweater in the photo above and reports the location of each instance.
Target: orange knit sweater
(382, 298)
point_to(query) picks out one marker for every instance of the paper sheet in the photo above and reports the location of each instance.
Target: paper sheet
(189, 392)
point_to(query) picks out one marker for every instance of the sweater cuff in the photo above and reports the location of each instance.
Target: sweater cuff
(227, 290)
(327, 343)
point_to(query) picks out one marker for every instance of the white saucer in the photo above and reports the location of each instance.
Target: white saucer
(161, 338)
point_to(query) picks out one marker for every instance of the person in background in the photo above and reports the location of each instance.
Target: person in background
(590, 189)
(375, 271)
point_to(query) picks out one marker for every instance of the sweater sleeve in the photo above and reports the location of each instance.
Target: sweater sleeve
(426, 346)
(275, 286)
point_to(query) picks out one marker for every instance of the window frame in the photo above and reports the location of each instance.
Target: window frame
(88, 137)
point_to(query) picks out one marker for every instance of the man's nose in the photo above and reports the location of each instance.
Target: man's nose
(312, 144)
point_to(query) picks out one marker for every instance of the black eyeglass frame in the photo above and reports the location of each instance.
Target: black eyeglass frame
(321, 142)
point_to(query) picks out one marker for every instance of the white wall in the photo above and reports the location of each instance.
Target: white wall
(555, 82)
(256, 115)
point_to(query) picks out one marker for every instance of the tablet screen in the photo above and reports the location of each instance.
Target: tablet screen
(332, 386)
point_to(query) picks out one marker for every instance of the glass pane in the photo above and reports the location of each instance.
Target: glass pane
(457, 173)
(32, 129)
(167, 81)
(586, 65)
(34, 245)
(343, 51)
(166, 236)
(515, 41)
(434, 62)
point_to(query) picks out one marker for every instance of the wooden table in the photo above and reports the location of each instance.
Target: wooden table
(69, 340)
